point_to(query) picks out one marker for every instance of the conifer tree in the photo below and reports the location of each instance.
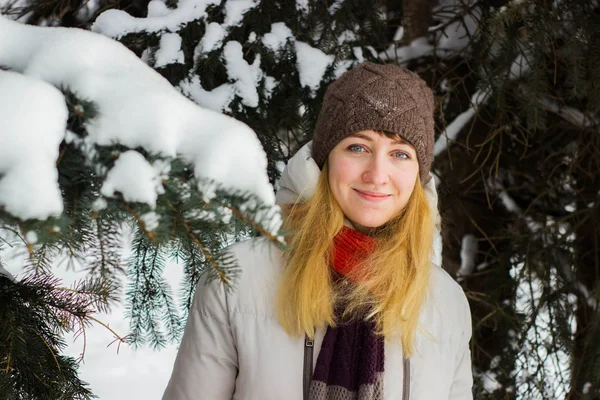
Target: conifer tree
(517, 150)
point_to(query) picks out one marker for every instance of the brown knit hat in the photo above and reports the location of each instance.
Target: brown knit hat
(382, 98)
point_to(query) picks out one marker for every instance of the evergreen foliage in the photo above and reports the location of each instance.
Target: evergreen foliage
(519, 179)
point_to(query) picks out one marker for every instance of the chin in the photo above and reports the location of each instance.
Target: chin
(370, 223)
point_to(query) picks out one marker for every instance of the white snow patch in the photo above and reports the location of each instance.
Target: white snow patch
(358, 53)
(150, 220)
(509, 203)
(519, 67)
(416, 49)
(99, 204)
(490, 384)
(586, 387)
(570, 114)
(312, 64)
(468, 252)
(337, 4)
(169, 50)
(5, 273)
(217, 99)
(277, 38)
(270, 85)
(246, 76)
(117, 23)
(342, 66)
(453, 129)
(346, 37)
(31, 237)
(157, 8)
(29, 145)
(235, 10)
(302, 6)
(134, 177)
(458, 34)
(213, 38)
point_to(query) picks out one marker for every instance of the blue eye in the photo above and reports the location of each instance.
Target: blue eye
(355, 148)
(402, 155)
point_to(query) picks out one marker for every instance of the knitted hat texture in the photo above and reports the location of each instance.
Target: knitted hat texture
(382, 98)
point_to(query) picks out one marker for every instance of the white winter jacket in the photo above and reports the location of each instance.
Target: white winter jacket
(234, 347)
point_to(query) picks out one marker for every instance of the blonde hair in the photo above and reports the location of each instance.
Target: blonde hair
(393, 279)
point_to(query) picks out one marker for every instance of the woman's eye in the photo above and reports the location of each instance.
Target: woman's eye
(401, 155)
(355, 148)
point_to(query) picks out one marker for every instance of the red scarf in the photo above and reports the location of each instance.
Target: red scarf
(349, 247)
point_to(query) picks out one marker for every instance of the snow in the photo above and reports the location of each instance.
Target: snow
(519, 67)
(570, 114)
(213, 38)
(490, 384)
(453, 129)
(31, 237)
(277, 37)
(358, 53)
(312, 64)
(508, 202)
(246, 76)
(29, 146)
(335, 6)
(417, 48)
(302, 6)
(235, 10)
(137, 108)
(157, 8)
(468, 252)
(6, 274)
(169, 51)
(451, 37)
(345, 37)
(133, 177)
(458, 34)
(117, 23)
(99, 204)
(586, 387)
(217, 99)
(150, 220)
(270, 85)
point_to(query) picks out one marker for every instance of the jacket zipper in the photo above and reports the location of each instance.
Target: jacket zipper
(406, 384)
(308, 362)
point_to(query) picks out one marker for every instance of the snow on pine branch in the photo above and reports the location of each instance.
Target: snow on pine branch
(136, 107)
(244, 78)
(455, 127)
(33, 115)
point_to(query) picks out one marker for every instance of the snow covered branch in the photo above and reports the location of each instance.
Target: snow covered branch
(137, 108)
(570, 114)
(453, 129)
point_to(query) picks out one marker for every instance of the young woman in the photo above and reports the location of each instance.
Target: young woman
(354, 308)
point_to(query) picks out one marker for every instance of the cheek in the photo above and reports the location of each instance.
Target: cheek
(405, 181)
(343, 171)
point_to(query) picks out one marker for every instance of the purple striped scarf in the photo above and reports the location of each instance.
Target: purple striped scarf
(351, 361)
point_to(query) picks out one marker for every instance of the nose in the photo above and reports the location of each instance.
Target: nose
(375, 172)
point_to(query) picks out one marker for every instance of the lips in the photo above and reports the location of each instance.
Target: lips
(372, 196)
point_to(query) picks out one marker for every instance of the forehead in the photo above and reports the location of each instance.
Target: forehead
(368, 135)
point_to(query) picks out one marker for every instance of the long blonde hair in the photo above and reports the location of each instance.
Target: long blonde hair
(393, 278)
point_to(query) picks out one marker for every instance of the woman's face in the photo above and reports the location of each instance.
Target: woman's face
(372, 177)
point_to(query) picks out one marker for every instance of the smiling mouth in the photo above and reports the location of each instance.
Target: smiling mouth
(372, 196)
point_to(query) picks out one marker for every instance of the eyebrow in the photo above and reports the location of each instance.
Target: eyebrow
(368, 139)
